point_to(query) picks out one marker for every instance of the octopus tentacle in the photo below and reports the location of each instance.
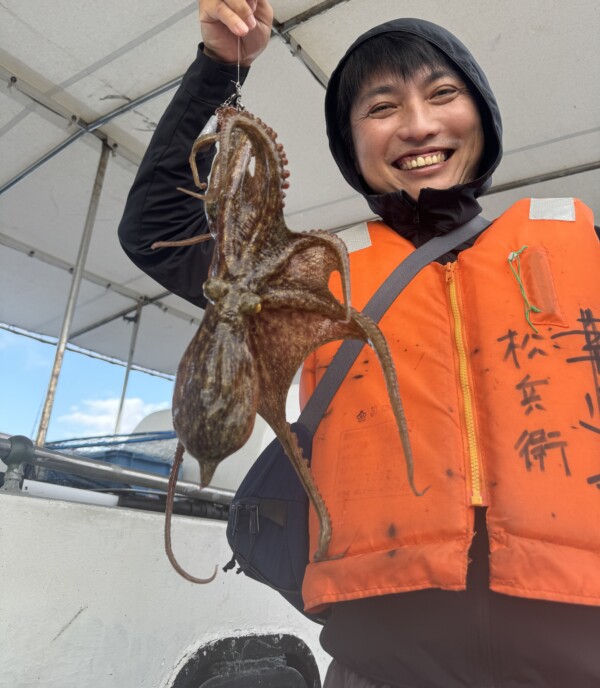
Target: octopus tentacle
(169, 512)
(300, 246)
(379, 344)
(203, 141)
(293, 450)
(297, 298)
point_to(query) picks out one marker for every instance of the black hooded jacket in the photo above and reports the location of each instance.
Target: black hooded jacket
(425, 639)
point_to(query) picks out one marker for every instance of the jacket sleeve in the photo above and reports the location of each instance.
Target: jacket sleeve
(155, 210)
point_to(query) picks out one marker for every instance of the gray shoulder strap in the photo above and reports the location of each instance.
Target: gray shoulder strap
(377, 306)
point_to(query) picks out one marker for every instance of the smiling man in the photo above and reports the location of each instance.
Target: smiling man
(492, 578)
(396, 100)
(425, 132)
(409, 130)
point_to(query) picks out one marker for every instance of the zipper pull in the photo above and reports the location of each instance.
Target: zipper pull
(450, 271)
(254, 525)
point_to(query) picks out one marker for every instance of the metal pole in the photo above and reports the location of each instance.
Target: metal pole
(307, 15)
(136, 326)
(90, 128)
(17, 449)
(546, 177)
(72, 300)
(142, 300)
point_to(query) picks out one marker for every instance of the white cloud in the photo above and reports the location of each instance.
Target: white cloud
(98, 416)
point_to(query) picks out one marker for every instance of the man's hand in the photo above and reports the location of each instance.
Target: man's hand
(223, 21)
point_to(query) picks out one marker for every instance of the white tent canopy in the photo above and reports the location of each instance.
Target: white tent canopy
(79, 74)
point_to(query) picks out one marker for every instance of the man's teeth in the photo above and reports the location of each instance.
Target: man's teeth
(423, 161)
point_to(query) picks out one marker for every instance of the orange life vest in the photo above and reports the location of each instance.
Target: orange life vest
(503, 408)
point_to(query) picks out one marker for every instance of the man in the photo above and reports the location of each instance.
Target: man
(493, 350)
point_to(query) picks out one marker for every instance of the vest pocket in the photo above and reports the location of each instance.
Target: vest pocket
(538, 283)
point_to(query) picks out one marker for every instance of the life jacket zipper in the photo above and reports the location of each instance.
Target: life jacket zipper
(465, 386)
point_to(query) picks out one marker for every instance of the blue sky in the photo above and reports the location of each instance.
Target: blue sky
(87, 395)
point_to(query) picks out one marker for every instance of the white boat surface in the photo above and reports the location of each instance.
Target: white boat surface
(90, 596)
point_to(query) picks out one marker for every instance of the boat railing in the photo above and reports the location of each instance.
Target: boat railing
(17, 451)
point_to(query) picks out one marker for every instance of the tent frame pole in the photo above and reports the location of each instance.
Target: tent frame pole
(136, 326)
(72, 300)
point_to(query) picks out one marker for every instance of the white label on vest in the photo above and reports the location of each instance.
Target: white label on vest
(552, 209)
(356, 237)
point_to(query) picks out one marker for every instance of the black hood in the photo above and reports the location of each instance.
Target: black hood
(437, 211)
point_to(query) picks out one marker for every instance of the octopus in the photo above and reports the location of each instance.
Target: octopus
(269, 306)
